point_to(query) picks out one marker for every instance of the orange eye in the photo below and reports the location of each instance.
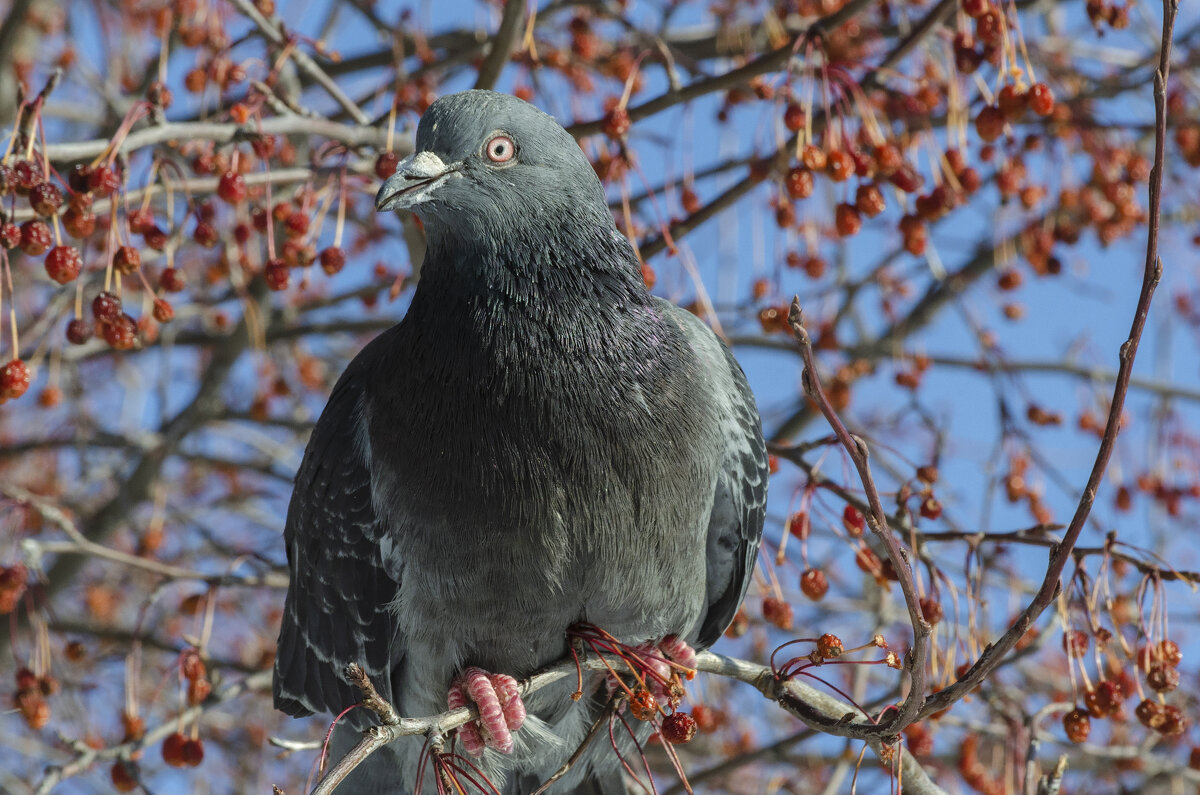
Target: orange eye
(500, 149)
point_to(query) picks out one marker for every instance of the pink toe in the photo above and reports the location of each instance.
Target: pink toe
(510, 700)
(678, 651)
(492, 723)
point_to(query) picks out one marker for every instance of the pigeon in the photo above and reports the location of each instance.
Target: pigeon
(539, 443)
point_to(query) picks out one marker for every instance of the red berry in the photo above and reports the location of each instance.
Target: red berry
(45, 198)
(869, 200)
(63, 263)
(124, 776)
(777, 612)
(1012, 101)
(193, 753)
(104, 181)
(830, 646)
(989, 124)
(172, 749)
(78, 331)
(163, 312)
(989, 27)
(931, 508)
(798, 524)
(1041, 99)
(793, 117)
(121, 333)
(689, 201)
(277, 274)
(853, 521)
(127, 259)
(14, 379)
(333, 259)
(932, 609)
(26, 177)
(205, 234)
(10, 235)
(617, 123)
(155, 238)
(106, 307)
(813, 584)
(79, 223)
(1162, 678)
(385, 164)
(906, 178)
(296, 224)
(232, 187)
(974, 8)
(35, 238)
(1077, 725)
(840, 165)
(1150, 713)
(798, 182)
(679, 727)
(172, 280)
(847, 220)
(141, 221)
(80, 178)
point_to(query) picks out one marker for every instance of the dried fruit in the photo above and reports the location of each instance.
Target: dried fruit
(1077, 725)
(829, 646)
(277, 274)
(678, 727)
(643, 705)
(333, 259)
(813, 584)
(172, 749)
(35, 238)
(63, 263)
(14, 379)
(232, 187)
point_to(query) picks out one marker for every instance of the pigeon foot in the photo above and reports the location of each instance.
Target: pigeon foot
(501, 710)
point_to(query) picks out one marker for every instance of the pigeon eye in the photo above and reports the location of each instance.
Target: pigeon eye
(500, 149)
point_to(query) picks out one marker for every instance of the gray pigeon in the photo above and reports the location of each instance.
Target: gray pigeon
(539, 442)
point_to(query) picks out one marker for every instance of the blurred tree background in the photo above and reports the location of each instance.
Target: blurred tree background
(960, 193)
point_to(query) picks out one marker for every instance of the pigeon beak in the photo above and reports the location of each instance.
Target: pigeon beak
(416, 178)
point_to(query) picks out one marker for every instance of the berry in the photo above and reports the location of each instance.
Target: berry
(78, 331)
(104, 181)
(798, 524)
(385, 164)
(1041, 99)
(847, 220)
(840, 165)
(193, 753)
(155, 238)
(830, 646)
(296, 224)
(813, 584)
(617, 123)
(1077, 725)
(1012, 101)
(163, 312)
(14, 380)
(853, 521)
(45, 198)
(141, 221)
(232, 187)
(689, 201)
(121, 333)
(35, 238)
(1150, 714)
(10, 235)
(124, 776)
(974, 8)
(678, 727)
(205, 234)
(79, 223)
(106, 307)
(869, 201)
(172, 749)
(172, 280)
(777, 612)
(26, 177)
(1162, 678)
(798, 182)
(1075, 642)
(63, 263)
(127, 259)
(333, 259)
(277, 274)
(931, 508)
(793, 117)
(989, 124)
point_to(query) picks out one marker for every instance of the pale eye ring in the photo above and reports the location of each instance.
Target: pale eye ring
(500, 148)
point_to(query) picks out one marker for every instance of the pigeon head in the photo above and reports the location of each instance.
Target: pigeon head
(489, 166)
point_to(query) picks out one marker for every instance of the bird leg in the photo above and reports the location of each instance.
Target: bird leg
(501, 710)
